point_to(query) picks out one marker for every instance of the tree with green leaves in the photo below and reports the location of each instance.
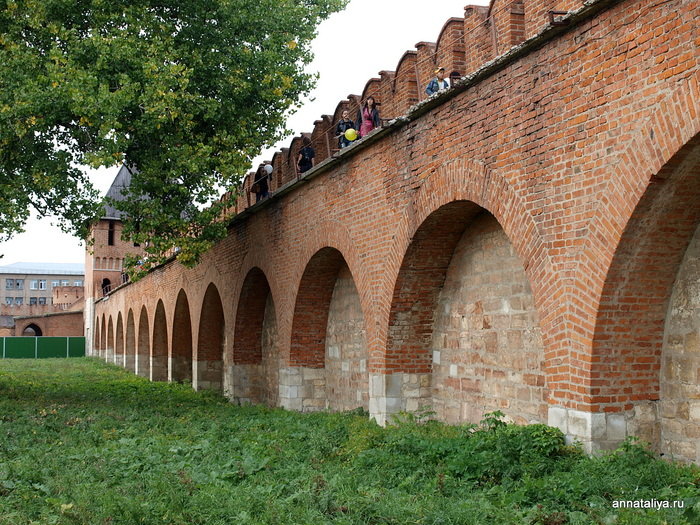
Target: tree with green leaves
(184, 92)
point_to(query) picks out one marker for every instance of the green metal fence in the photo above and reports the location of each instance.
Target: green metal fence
(39, 347)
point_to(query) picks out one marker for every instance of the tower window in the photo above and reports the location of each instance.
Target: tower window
(110, 234)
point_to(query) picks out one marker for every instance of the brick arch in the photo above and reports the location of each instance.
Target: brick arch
(250, 312)
(103, 337)
(256, 259)
(181, 348)
(96, 337)
(328, 353)
(643, 166)
(119, 344)
(471, 182)
(333, 235)
(307, 346)
(143, 353)
(254, 362)
(159, 359)
(35, 327)
(678, 416)
(130, 342)
(418, 285)
(109, 351)
(629, 326)
(211, 339)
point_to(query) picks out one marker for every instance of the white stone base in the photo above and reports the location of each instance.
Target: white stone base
(179, 369)
(390, 394)
(303, 389)
(207, 375)
(143, 365)
(243, 384)
(159, 368)
(595, 431)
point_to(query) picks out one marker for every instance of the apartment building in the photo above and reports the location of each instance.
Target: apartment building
(27, 285)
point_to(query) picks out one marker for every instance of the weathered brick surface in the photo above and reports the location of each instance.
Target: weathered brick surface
(119, 357)
(449, 51)
(680, 380)
(311, 309)
(583, 148)
(486, 347)
(209, 354)
(55, 324)
(181, 349)
(109, 348)
(143, 349)
(159, 352)
(346, 375)
(271, 361)
(130, 343)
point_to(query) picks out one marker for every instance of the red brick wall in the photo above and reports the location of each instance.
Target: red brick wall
(181, 349)
(119, 342)
(507, 24)
(210, 341)
(487, 348)
(130, 343)
(425, 67)
(311, 309)
(405, 85)
(143, 349)
(69, 324)
(247, 342)
(478, 39)
(346, 349)
(159, 347)
(449, 52)
(584, 150)
(105, 261)
(537, 12)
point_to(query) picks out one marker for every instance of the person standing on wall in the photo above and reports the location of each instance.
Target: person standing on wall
(367, 117)
(305, 159)
(438, 83)
(261, 185)
(343, 125)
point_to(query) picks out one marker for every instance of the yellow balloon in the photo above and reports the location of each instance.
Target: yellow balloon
(350, 134)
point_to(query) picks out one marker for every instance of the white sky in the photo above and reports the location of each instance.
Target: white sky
(352, 47)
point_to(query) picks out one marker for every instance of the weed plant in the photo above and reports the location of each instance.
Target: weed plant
(83, 442)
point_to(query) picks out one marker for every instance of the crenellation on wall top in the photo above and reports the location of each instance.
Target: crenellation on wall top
(465, 47)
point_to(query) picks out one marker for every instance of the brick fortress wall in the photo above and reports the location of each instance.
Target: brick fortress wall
(512, 243)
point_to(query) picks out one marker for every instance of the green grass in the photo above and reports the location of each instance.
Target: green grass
(82, 442)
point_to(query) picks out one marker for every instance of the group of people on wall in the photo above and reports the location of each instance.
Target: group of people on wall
(346, 132)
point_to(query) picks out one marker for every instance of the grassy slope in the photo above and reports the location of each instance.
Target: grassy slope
(89, 443)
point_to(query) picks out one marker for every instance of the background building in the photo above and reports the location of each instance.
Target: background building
(34, 290)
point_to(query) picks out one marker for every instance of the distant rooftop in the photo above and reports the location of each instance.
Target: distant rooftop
(47, 268)
(121, 181)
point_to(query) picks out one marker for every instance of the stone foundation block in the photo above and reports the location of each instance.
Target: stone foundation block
(600, 431)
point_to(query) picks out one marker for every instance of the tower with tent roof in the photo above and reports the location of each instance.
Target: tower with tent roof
(105, 254)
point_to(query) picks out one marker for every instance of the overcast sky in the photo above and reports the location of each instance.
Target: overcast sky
(352, 47)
